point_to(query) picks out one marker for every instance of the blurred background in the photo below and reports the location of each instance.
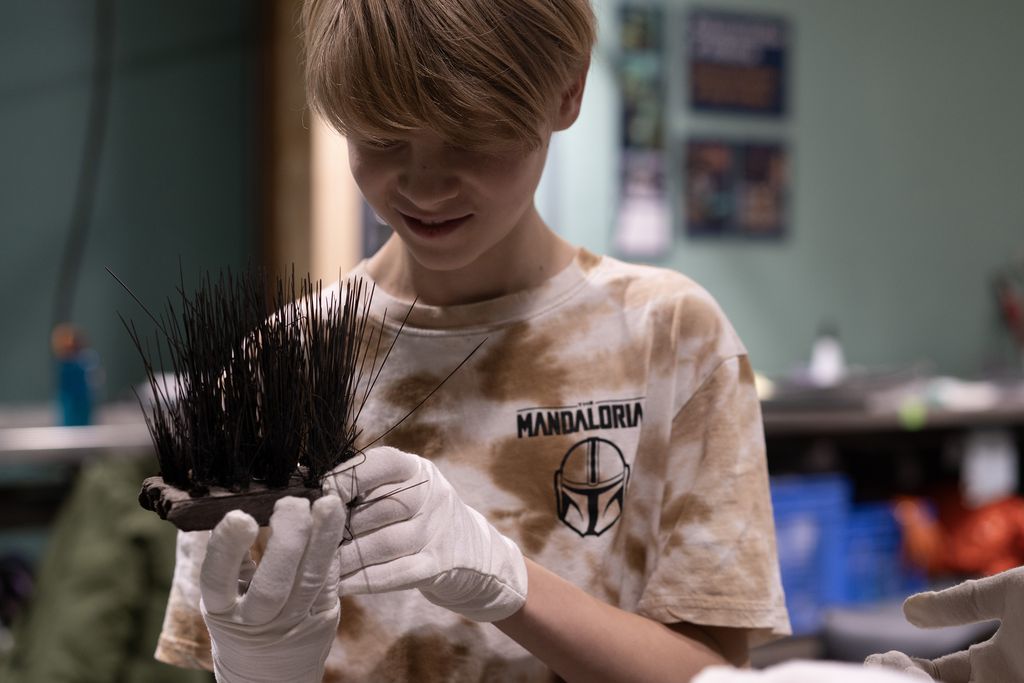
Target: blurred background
(845, 178)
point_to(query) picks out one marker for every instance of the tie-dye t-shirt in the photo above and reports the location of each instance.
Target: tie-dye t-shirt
(609, 425)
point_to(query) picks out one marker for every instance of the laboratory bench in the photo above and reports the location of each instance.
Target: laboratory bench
(908, 449)
(886, 434)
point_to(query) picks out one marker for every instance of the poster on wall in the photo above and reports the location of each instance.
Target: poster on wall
(737, 62)
(643, 227)
(735, 188)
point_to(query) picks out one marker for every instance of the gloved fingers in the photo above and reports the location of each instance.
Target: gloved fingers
(329, 598)
(272, 585)
(916, 672)
(386, 560)
(385, 506)
(229, 544)
(384, 545)
(342, 481)
(965, 603)
(381, 466)
(954, 668)
(894, 659)
(245, 573)
(315, 570)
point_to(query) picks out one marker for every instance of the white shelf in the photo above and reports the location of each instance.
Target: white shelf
(25, 436)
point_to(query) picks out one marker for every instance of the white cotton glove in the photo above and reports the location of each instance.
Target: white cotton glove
(804, 672)
(1000, 658)
(423, 537)
(278, 626)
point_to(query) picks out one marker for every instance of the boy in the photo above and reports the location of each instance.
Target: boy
(593, 481)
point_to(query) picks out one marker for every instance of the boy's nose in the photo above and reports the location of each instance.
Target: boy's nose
(427, 187)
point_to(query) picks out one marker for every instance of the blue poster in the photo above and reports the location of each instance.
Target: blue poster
(737, 62)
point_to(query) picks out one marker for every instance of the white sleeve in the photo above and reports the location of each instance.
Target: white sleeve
(810, 672)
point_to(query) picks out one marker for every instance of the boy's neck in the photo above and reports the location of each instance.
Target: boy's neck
(525, 259)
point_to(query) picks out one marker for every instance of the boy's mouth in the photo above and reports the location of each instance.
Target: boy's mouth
(434, 227)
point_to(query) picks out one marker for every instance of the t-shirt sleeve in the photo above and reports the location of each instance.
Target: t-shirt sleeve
(184, 640)
(717, 559)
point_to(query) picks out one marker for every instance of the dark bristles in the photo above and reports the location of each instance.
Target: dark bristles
(257, 391)
(261, 383)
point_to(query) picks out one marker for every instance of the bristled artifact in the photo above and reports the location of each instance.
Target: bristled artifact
(265, 395)
(266, 392)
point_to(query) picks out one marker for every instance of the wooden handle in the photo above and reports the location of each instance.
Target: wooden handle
(197, 513)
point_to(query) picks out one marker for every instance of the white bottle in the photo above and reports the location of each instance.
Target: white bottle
(828, 365)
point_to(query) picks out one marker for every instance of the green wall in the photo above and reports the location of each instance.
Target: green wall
(906, 161)
(177, 179)
(907, 180)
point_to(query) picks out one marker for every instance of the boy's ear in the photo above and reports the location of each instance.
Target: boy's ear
(572, 98)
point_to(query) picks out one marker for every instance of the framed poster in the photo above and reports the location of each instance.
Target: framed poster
(737, 62)
(735, 188)
(643, 224)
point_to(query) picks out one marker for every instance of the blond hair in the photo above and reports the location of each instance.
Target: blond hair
(481, 73)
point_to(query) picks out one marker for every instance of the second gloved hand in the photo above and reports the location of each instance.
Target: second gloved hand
(423, 536)
(1000, 658)
(275, 622)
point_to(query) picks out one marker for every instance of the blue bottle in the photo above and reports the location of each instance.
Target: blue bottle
(76, 367)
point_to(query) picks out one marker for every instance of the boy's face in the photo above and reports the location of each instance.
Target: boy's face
(449, 206)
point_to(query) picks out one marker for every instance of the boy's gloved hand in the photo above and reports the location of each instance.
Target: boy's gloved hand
(423, 537)
(275, 622)
(1000, 658)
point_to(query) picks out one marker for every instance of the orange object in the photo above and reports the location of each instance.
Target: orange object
(961, 540)
(66, 340)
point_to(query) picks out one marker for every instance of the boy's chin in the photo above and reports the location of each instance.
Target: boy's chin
(440, 261)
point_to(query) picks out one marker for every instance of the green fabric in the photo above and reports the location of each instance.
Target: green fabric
(101, 587)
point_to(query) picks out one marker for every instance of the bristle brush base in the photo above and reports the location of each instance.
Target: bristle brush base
(199, 513)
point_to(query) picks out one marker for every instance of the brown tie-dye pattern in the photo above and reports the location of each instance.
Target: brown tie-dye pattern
(685, 510)
(618, 368)
(699, 320)
(612, 593)
(524, 364)
(189, 646)
(414, 436)
(412, 389)
(332, 676)
(721, 423)
(421, 657)
(653, 456)
(636, 554)
(522, 469)
(694, 541)
(354, 617)
(587, 260)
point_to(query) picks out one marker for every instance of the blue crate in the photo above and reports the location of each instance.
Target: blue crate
(875, 567)
(810, 520)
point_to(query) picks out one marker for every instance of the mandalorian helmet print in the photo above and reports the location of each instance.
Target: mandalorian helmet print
(590, 486)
